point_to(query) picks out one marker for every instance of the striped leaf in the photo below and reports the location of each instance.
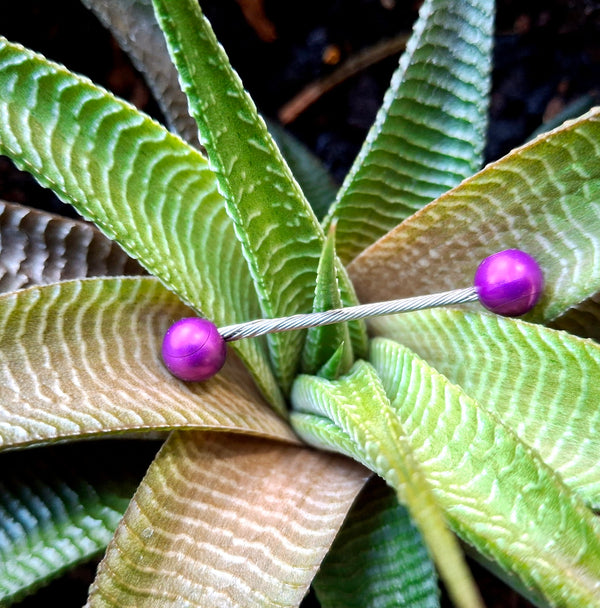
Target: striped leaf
(142, 186)
(543, 197)
(133, 24)
(82, 358)
(430, 131)
(38, 248)
(378, 559)
(280, 235)
(541, 383)
(354, 416)
(497, 493)
(60, 506)
(218, 523)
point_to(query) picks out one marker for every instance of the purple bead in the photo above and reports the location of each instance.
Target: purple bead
(193, 350)
(509, 282)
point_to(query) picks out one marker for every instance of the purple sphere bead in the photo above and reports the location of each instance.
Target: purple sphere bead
(509, 282)
(193, 350)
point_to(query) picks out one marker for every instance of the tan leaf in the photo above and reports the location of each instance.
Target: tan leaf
(223, 520)
(37, 248)
(542, 197)
(82, 358)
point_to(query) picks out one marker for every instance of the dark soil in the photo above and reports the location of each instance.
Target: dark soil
(547, 57)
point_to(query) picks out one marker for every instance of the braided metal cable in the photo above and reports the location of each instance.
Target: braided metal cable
(260, 327)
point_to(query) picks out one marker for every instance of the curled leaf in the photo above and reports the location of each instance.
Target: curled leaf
(542, 198)
(82, 358)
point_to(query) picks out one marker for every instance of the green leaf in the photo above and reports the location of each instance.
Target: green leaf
(37, 248)
(227, 521)
(322, 342)
(430, 131)
(354, 416)
(316, 182)
(378, 559)
(497, 493)
(279, 233)
(336, 365)
(134, 25)
(60, 506)
(539, 382)
(82, 358)
(137, 182)
(543, 198)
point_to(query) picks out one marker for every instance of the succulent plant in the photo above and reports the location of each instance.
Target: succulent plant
(483, 428)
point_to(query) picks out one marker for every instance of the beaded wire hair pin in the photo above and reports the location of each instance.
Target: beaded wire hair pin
(508, 283)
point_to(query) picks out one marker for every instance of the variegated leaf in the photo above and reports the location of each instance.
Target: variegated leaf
(218, 521)
(543, 198)
(430, 131)
(82, 358)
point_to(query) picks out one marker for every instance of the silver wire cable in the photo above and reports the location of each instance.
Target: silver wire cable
(260, 327)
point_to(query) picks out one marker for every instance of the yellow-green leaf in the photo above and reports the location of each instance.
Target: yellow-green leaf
(540, 382)
(497, 493)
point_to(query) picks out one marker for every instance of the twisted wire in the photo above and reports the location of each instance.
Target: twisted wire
(260, 327)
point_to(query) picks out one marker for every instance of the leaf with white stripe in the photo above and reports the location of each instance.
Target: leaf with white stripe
(430, 131)
(37, 248)
(543, 198)
(496, 491)
(60, 506)
(227, 521)
(280, 235)
(141, 185)
(378, 559)
(133, 24)
(82, 358)
(540, 382)
(353, 415)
